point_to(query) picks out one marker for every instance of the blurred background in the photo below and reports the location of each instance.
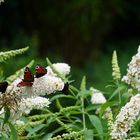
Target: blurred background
(82, 33)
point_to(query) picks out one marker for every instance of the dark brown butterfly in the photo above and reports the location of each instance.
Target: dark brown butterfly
(28, 78)
(66, 89)
(40, 71)
(3, 86)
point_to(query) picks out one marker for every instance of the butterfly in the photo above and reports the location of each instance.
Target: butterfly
(28, 78)
(66, 89)
(3, 86)
(40, 71)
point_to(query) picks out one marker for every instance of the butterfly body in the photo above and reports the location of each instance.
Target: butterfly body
(28, 78)
(3, 86)
(66, 89)
(40, 71)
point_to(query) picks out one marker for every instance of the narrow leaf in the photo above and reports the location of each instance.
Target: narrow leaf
(6, 115)
(47, 136)
(35, 129)
(61, 96)
(97, 124)
(83, 84)
(74, 88)
(106, 105)
(92, 107)
(89, 134)
(14, 135)
(117, 91)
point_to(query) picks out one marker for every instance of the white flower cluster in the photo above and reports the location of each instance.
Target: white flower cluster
(28, 97)
(20, 92)
(62, 68)
(126, 118)
(133, 72)
(47, 84)
(1, 1)
(97, 97)
(26, 105)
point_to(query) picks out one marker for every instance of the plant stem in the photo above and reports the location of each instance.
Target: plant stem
(119, 93)
(83, 113)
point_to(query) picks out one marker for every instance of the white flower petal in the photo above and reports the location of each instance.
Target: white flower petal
(133, 72)
(126, 118)
(97, 97)
(62, 68)
(47, 84)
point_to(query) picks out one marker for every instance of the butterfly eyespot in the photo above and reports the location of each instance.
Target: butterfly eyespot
(37, 67)
(40, 71)
(26, 69)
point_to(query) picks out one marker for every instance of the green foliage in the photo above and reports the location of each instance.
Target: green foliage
(6, 115)
(13, 135)
(7, 55)
(97, 124)
(83, 84)
(3, 57)
(71, 116)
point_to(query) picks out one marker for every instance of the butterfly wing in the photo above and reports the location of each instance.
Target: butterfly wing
(40, 71)
(28, 78)
(3, 86)
(22, 83)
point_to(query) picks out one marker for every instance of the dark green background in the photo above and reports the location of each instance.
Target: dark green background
(83, 33)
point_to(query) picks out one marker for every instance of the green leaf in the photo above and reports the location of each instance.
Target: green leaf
(83, 83)
(117, 91)
(97, 124)
(47, 136)
(28, 128)
(59, 129)
(4, 136)
(73, 88)
(1, 73)
(7, 55)
(14, 135)
(6, 115)
(106, 105)
(61, 96)
(125, 98)
(92, 107)
(35, 129)
(84, 93)
(89, 134)
(59, 106)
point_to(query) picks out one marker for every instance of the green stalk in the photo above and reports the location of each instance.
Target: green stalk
(119, 93)
(83, 113)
